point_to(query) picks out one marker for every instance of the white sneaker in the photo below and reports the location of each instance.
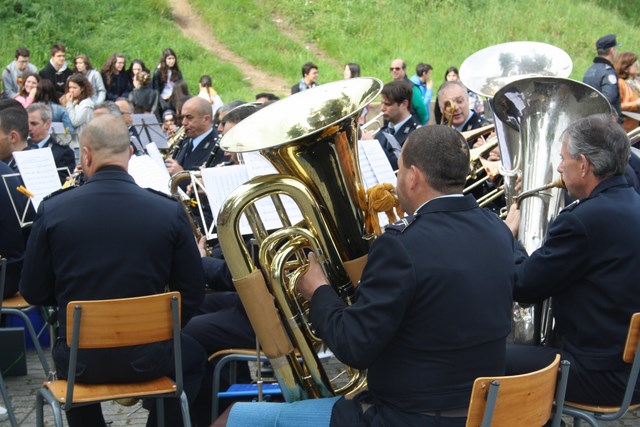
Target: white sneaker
(3, 414)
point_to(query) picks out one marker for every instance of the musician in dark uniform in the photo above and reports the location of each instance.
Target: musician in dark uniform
(588, 265)
(14, 124)
(431, 312)
(201, 137)
(12, 242)
(39, 126)
(398, 121)
(112, 239)
(462, 117)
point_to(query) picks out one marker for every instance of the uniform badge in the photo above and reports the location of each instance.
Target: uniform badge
(612, 79)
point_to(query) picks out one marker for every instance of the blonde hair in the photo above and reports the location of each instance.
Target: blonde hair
(143, 78)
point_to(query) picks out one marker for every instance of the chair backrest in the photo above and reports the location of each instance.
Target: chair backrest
(122, 322)
(522, 400)
(632, 339)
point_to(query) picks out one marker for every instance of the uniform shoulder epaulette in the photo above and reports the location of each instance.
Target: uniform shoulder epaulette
(571, 206)
(160, 193)
(55, 193)
(401, 225)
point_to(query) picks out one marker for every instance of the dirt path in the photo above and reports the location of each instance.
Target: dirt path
(196, 29)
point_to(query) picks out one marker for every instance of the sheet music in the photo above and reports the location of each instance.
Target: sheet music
(148, 174)
(154, 153)
(39, 173)
(257, 165)
(219, 182)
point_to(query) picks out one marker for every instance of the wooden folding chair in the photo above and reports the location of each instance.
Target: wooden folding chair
(593, 414)
(519, 400)
(3, 389)
(118, 323)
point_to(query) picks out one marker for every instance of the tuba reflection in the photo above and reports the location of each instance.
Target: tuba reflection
(311, 139)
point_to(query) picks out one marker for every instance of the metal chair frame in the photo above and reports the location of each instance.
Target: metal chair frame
(3, 388)
(64, 403)
(591, 413)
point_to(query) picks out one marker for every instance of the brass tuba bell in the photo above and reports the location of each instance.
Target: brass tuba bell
(311, 139)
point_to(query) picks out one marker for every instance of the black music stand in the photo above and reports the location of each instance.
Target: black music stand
(149, 130)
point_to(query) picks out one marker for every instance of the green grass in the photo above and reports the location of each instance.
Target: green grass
(370, 32)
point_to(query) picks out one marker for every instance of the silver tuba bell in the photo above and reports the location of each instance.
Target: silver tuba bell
(311, 139)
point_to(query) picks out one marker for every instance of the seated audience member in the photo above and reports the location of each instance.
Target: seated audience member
(309, 78)
(143, 97)
(399, 123)
(56, 70)
(398, 70)
(166, 74)
(39, 127)
(69, 248)
(28, 89)
(77, 101)
(266, 96)
(46, 94)
(81, 64)
(421, 357)
(587, 264)
(115, 78)
(13, 74)
(208, 93)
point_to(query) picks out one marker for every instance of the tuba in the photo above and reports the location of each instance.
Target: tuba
(311, 139)
(540, 109)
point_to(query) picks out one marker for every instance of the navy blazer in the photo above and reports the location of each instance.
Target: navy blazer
(107, 239)
(200, 154)
(431, 312)
(11, 237)
(589, 265)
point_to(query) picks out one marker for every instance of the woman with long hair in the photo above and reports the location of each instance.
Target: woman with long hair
(351, 71)
(81, 64)
(28, 89)
(627, 70)
(166, 74)
(135, 67)
(46, 93)
(115, 78)
(77, 100)
(208, 93)
(179, 96)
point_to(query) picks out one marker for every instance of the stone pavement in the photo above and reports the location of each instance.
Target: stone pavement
(22, 391)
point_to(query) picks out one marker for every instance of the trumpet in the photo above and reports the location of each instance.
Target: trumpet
(374, 121)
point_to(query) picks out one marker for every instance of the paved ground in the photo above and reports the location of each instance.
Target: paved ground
(22, 391)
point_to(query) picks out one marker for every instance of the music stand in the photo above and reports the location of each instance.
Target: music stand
(17, 204)
(149, 130)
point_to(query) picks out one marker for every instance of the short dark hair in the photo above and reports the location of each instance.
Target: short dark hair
(604, 52)
(307, 67)
(13, 117)
(22, 51)
(397, 91)
(239, 113)
(422, 68)
(602, 141)
(442, 154)
(57, 47)
(270, 96)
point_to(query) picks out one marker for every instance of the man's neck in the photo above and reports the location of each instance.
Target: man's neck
(402, 120)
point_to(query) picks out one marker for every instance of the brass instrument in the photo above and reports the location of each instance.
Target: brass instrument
(372, 122)
(175, 142)
(634, 136)
(447, 116)
(311, 139)
(540, 109)
(75, 179)
(187, 202)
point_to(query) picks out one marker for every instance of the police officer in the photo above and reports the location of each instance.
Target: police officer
(602, 75)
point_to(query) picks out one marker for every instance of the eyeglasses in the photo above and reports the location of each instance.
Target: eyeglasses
(395, 68)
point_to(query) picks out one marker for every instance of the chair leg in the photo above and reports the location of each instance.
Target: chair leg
(184, 405)
(7, 402)
(579, 416)
(160, 411)
(43, 394)
(32, 333)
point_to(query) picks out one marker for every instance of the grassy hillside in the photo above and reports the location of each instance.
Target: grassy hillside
(370, 32)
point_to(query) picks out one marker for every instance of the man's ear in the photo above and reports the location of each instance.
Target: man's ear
(584, 165)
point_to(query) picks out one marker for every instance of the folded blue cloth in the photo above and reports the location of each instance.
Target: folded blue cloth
(308, 413)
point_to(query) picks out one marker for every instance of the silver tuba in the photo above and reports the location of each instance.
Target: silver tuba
(488, 70)
(311, 139)
(540, 109)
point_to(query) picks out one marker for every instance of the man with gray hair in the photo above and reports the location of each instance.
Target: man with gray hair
(39, 126)
(111, 239)
(588, 265)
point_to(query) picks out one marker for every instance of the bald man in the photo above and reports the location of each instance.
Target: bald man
(117, 241)
(201, 138)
